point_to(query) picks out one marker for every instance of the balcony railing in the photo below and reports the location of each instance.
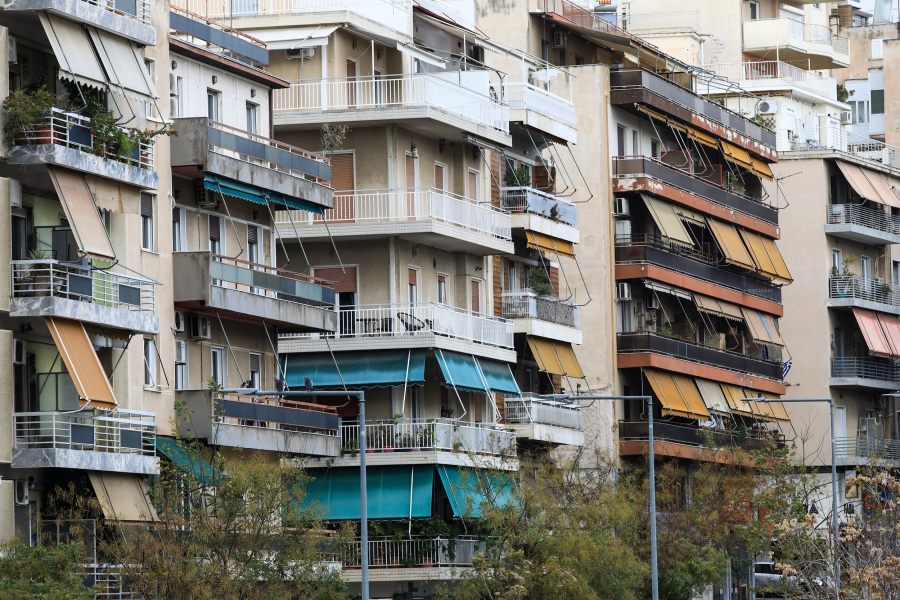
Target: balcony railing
(578, 14)
(762, 71)
(119, 432)
(528, 305)
(857, 288)
(839, 140)
(74, 131)
(536, 202)
(389, 91)
(526, 96)
(50, 277)
(139, 10)
(542, 412)
(416, 552)
(855, 214)
(873, 448)
(881, 369)
(270, 282)
(403, 205)
(429, 435)
(638, 430)
(271, 413)
(411, 320)
(809, 32)
(393, 14)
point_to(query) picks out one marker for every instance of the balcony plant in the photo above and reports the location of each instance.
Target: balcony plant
(26, 115)
(538, 281)
(40, 272)
(517, 177)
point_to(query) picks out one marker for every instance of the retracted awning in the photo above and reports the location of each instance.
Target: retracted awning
(880, 184)
(499, 377)
(540, 241)
(890, 325)
(668, 222)
(736, 155)
(712, 396)
(393, 492)
(556, 358)
(730, 244)
(295, 37)
(859, 182)
(468, 489)
(359, 369)
(702, 137)
(123, 64)
(762, 169)
(690, 216)
(81, 211)
(872, 332)
(188, 462)
(73, 50)
(82, 362)
(677, 394)
(122, 497)
(667, 289)
(422, 55)
(251, 193)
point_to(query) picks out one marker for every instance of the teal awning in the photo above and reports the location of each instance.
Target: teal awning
(252, 193)
(460, 371)
(188, 462)
(363, 369)
(468, 489)
(394, 492)
(499, 377)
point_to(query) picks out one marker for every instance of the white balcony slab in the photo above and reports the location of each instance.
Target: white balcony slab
(863, 383)
(87, 460)
(860, 233)
(546, 329)
(546, 226)
(860, 303)
(421, 340)
(550, 434)
(54, 154)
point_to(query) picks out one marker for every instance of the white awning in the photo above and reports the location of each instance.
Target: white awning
(73, 51)
(426, 57)
(292, 38)
(124, 65)
(667, 289)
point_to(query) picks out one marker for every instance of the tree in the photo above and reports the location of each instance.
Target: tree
(45, 572)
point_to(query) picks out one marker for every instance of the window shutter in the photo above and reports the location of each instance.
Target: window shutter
(476, 296)
(213, 227)
(439, 177)
(473, 185)
(146, 205)
(442, 279)
(410, 171)
(252, 234)
(620, 131)
(347, 285)
(342, 172)
(255, 360)
(412, 276)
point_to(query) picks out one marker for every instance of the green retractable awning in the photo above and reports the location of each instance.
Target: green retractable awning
(394, 492)
(188, 462)
(461, 371)
(499, 377)
(468, 489)
(251, 193)
(363, 369)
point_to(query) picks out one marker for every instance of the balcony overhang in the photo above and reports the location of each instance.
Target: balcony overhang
(546, 329)
(550, 434)
(420, 340)
(88, 13)
(554, 229)
(543, 122)
(860, 303)
(33, 158)
(669, 363)
(675, 450)
(428, 457)
(86, 460)
(88, 312)
(255, 25)
(765, 37)
(863, 383)
(858, 233)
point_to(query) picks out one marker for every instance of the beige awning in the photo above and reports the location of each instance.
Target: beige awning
(689, 215)
(713, 396)
(718, 307)
(762, 169)
(82, 362)
(123, 497)
(730, 244)
(668, 222)
(123, 64)
(540, 241)
(763, 328)
(76, 58)
(777, 259)
(881, 187)
(859, 182)
(84, 218)
(758, 252)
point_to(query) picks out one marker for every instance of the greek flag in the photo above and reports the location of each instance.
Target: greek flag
(785, 367)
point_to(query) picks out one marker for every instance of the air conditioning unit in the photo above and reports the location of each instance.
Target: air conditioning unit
(476, 53)
(179, 320)
(18, 352)
(180, 352)
(199, 328)
(299, 53)
(203, 197)
(559, 39)
(623, 291)
(652, 301)
(21, 492)
(846, 117)
(620, 207)
(766, 107)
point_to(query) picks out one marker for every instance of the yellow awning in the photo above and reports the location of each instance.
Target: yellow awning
(82, 362)
(668, 394)
(735, 397)
(738, 156)
(761, 410)
(691, 396)
(702, 137)
(781, 269)
(669, 223)
(689, 215)
(778, 410)
(762, 327)
(651, 113)
(557, 358)
(762, 169)
(758, 252)
(540, 241)
(730, 244)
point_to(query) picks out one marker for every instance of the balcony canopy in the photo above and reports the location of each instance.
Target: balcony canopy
(881, 332)
(251, 193)
(393, 492)
(468, 489)
(122, 497)
(546, 243)
(184, 461)
(355, 370)
(468, 373)
(554, 357)
(868, 184)
(81, 211)
(81, 360)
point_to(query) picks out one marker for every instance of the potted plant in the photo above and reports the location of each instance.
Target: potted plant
(538, 281)
(141, 140)
(40, 272)
(26, 115)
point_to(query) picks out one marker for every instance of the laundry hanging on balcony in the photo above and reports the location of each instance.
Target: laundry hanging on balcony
(81, 211)
(677, 394)
(83, 364)
(470, 489)
(251, 193)
(356, 370)
(555, 357)
(123, 497)
(393, 492)
(667, 221)
(868, 184)
(546, 243)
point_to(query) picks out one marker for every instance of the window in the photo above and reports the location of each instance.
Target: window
(634, 142)
(895, 272)
(149, 362)
(620, 139)
(837, 262)
(877, 49)
(148, 105)
(654, 149)
(754, 11)
(817, 5)
(176, 93)
(442, 289)
(146, 221)
(212, 105)
(624, 315)
(255, 370)
(877, 102)
(473, 186)
(217, 366)
(252, 123)
(545, 50)
(179, 235)
(416, 404)
(865, 267)
(181, 366)
(413, 286)
(253, 251)
(859, 111)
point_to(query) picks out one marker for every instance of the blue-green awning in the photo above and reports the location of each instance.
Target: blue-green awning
(460, 371)
(363, 369)
(394, 492)
(468, 489)
(252, 193)
(188, 461)
(499, 377)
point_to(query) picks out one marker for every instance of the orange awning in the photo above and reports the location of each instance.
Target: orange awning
(872, 332)
(691, 396)
(890, 326)
(81, 211)
(668, 394)
(82, 362)
(730, 243)
(778, 410)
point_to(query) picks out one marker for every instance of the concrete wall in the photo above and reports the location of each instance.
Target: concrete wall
(7, 510)
(892, 92)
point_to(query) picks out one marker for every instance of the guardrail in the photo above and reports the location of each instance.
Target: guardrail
(528, 305)
(817, 34)
(773, 69)
(855, 214)
(881, 369)
(74, 131)
(274, 413)
(638, 430)
(860, 447)
(431, 434)
(523, 95)
(139, 10)
(813, 139)
(388, 91)
(112, 582)
(857, 288)
(416, 552)
(580, 15)
(119, 432)
(50, 277)
(400, 205)
(543, 412)
(530, 200)
(418, 319)
(270, 282)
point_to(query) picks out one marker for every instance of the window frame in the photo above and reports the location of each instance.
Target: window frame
(253, 108)
(218, 364)
(182, 372)
(151, 369)
(213, 99)
(148, 227)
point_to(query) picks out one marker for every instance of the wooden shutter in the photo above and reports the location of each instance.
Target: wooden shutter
(412, 276)
(214, 227)
(347, 284)
(146, 205)
(620, 139)
(342, 172)
(439, 177)
(476, 296)
(473, 186)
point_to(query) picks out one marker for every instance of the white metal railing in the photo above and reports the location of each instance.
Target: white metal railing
(111, 581)
(530, 200)
(683, 20)
(526, 96)
(403, 205)
(773, 69)
(142, 9)
(393, 14)
(418, 319)
(431, 434)
(862, 447)
(854, 214)
(118, 432)
(50, 277)
(529, 305)
(810, 32)
(544, 412)
(416, 552)
(857, 288)
(839, 140)
(386, 91)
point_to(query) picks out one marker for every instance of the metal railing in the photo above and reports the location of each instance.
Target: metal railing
(274, 413)
(387, 91)
(431, 434)
(543, 412)
(855, 214)
(418, 319)
(773, 69)
(529, 305)
(857, 288)
(270, 282)
(530, 200)
(810, 32)
(118, 432)
(393, 14)
(522, 95)
(111, 582)
(50, 277)
(671, 21)
(881, 369)
(861, 447)
(834, 138)
(580, 15)
(139, 10)
(416, 552)
(656, 241)
(402, 205)
(74, 131)
(638, 430)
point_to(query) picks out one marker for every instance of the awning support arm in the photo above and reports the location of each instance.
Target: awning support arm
(299, 241)
(116, 366)
(488, 391)
(336, 253)
(233, 357)
(577, 166)
(456, 391)
(277, 235)
(274, 351)
(550, 148)
(405, 384)
(40, 391)
(233, 228)
(586, 289)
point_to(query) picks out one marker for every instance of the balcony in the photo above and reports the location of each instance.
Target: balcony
(854, 291)
(626, 169)
(796, 41)
(436, 105)
(543, 316)
(242, 289)
(541, 420)
(865, 373)
(427, 216)
(654, 343)
(53, 288)
(822, 142)
(527, 200)
(542, 110)
(416, 553)
(130, 19)
(65, 139)
(262, 423)
(120, 441)
(250, 158)
(769, 75)
(649, 249)
(861, 224)
(690, 442)
(851, 451)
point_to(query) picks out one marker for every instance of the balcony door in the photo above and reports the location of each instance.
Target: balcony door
(351, 83)
(840, 421)
(343, 179)
(345, 287)
(476, 295)
(865, 267)
(218, 366)
(412, 182)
